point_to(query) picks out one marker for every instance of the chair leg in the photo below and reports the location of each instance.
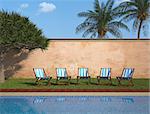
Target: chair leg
(119, 82)
(49, 83)
(37, 81)
(131, 82)
(89, 80)
(57, 80)
(110, 81)
(77, 79)
(69, 80)
(98, 79)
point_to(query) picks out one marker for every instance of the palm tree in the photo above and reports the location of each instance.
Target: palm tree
(138, 11)
(100, 21)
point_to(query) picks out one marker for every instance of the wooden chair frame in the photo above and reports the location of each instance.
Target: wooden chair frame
(120, 78)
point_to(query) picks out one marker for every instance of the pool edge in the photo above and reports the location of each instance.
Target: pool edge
(74, 94)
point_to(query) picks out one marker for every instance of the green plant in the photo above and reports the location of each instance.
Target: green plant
(138, 11)
(18, 34)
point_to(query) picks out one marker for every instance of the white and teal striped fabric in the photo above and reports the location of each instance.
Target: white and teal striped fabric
(39, 72)
(61, 72)
(83, 72)
(105, 72)
(127, 72)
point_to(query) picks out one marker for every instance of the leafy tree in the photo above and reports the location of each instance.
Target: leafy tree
(18, 33)
(101, 20)
(138, 11)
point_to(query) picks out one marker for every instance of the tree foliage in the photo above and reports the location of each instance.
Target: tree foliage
(101, 21)
(18, 35)
(138, 11)
(18, 32)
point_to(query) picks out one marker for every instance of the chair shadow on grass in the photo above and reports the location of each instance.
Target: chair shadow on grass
(34, 83)
(44, 83)
(29, 83)
(103, 84)
(106, 84)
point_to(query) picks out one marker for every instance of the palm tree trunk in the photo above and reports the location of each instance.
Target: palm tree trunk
(139, 29)
(100, 35)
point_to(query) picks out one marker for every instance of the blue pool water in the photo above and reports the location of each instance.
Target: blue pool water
(74, 105)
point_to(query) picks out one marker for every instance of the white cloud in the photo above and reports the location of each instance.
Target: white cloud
(46, 7)
(119, 1)
(24, 5)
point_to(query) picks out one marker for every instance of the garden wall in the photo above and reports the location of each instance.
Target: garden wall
(93, 54)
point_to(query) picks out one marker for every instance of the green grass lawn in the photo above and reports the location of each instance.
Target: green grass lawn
(30, 84)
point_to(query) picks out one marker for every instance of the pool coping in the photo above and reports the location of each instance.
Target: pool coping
(74, 94)
(74, 90)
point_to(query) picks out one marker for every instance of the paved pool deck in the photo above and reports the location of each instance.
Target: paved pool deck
(74, 93)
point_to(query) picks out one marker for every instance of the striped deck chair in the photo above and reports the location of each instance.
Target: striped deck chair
(105, 73)
(126, 75)
(61, 73)
(83, 74)
(41, 75)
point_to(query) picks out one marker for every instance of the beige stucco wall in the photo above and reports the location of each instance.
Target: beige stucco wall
(93, 54)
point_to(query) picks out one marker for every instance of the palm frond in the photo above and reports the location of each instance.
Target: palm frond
(145, 28)
(94, 35)
(115, 32)
(84, 14)
(135, 24)
(129, 17)
(89, 31)
(109, 5)
(82, 27)
(96, 6)
(118, 24)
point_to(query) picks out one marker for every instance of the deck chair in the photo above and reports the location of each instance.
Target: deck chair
(41, 75)
(126, 75)
(105, 73)
(61, 73)
(83, 74)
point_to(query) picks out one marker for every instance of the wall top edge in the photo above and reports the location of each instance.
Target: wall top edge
(95, 40)
(103, 39)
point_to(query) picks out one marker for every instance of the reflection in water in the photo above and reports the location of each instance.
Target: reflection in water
(38, 100)
(128, 100)
(106, 99)
(74, 105)
(60, 99)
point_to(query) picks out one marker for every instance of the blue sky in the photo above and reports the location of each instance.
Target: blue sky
(57, 18)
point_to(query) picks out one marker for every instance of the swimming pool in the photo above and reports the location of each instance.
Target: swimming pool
(74, 105)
